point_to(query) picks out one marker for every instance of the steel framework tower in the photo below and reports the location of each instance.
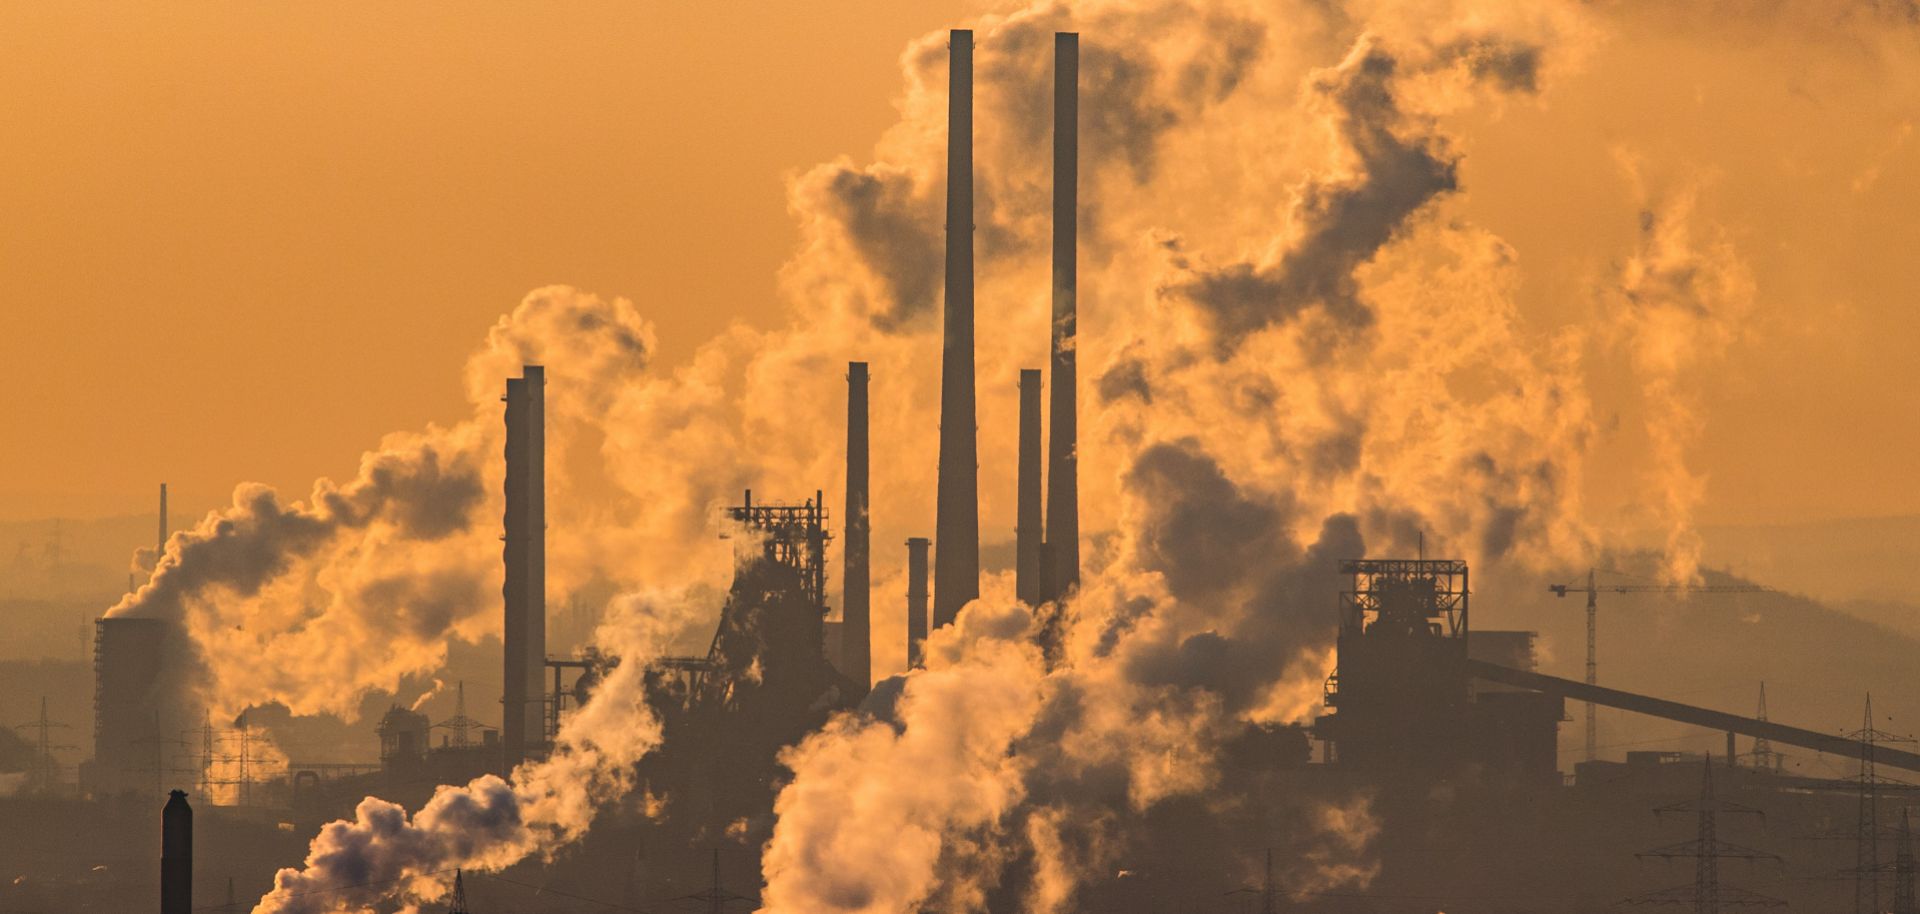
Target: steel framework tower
(1707, 894)
(1868, 869)
(46, 770)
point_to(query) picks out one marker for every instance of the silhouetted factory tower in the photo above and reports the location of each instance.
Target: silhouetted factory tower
(856, 625)
(163, 526)
(176, 855)
(916, 599)
(523, 697)
(956, 575)
(1063, 490)
(137, 700)
(1029, 581)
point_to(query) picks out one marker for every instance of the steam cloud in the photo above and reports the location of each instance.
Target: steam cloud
(491, 823)
(1300, 352)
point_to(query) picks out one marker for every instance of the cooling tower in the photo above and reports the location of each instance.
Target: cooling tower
(141, 704)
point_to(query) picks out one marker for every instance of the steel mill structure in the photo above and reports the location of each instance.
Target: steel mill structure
(1446, 733)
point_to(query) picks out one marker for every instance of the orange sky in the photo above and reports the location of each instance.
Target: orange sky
(242, 241)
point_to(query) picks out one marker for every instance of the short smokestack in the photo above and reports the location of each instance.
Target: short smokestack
(1029, 582)
(1063, 438)
(524, 635)
(856, 626)
(957, 510)
(916, 600)
(176, 855)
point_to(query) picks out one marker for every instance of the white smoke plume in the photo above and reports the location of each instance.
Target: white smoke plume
(314, 603)
(1296, 350)
(491, 823)
(1681, 301)
(1296, 353)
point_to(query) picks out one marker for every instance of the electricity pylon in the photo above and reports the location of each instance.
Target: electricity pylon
(1707, 894)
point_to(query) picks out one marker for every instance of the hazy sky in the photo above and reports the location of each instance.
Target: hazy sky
(242, 241)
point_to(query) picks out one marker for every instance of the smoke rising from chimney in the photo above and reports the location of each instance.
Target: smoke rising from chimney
(1297, 346)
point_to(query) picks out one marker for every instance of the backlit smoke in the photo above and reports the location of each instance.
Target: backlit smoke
(1682, 298)
(491, 823)
(314, 603)
(1298, 356)
(1297, 350)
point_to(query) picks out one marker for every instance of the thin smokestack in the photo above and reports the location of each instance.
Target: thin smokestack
(856, 626)
(176, 855)
(956, 579)
(1063, 438)
(163, 524)
(524, 635)
(916, 600)
(1029, 583)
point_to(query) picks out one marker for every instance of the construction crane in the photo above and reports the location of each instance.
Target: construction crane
(1593, 590)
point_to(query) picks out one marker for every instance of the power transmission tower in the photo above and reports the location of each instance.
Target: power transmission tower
(1868, 869)
(716, 898)
(1763, 756)
(457, 903)
(1592, 590)
(461, 725)
(1904, 899)
(46, 769)
(164, 763)
(1707, 894)
(1268, 904)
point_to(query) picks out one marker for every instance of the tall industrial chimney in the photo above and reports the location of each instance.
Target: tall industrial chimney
(956, 577)
(856, 625)
(523, 699)
(163, 526)
(916, 600)
(1029, 574)
(1063, 438)
(176, 855)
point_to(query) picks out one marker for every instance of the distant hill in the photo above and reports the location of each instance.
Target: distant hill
(1839, 561)
(1714, 650)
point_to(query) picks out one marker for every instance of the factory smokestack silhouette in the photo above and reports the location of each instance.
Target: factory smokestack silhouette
(916, 599)
(1063, 438)
(163, 526)
(956, 575)
(176, 855)
(523, 696)
(1029, 581)
(856, 625)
